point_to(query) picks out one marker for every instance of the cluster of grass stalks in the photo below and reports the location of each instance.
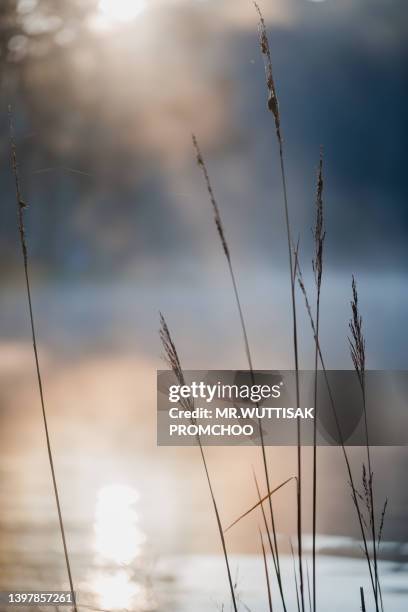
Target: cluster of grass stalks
(363, 501)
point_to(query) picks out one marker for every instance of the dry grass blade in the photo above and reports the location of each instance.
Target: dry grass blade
(319, 233)
(21, 206)
(363, 606)
(295, 258)
(358, 355)
(273, 549)
(380, 535)
(172, 358)
(273, 103)
(265, 522)
(217, 216)
(354, 492)
(259, 503)
(357, 341)
(268, 584)
(220, 229)
(308, 587)
(273, 106)
(366, 489)
(317, 265)
(174, 363)
(294, 573)
(380, 531)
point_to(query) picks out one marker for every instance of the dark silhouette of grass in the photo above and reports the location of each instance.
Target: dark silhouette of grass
(21, 206)
(273, 106)
(358, 355)
(363, 606)
(295, 576)
(317, 264)
(259, 503)
(174, 363)
(268, 532)
(309, 592)
(220, 229)
(380, 531)
(356, 496)
(268, 584)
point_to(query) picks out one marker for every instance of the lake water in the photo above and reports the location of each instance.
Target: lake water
(114, 567)
(129, 506)
(198, 583)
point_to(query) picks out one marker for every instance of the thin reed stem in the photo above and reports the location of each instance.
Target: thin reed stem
(21, 205)
(265, 522)
(317, 264)
(363, 606)
(273, 106)
(357, 350)
(220, 229)
(338, 428)
(294, 573)
(268, 584)
(260, 502)
(308, 587)
(174, 362)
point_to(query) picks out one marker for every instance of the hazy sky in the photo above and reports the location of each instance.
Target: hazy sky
(123, 99)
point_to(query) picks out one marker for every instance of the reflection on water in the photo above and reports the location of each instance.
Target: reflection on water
(118, 537)
(116, 590)
(118, 547)
(114, 566)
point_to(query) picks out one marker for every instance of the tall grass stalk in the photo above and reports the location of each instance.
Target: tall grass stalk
(354, 492)
(21, 206)
(273, 106)
(317, 264)
(220, 229)
(295, 576)
(174, 363)
(357, 350)
(308, 587)
(259, 503)
(363, 606)
(268, 533)
(268, 584)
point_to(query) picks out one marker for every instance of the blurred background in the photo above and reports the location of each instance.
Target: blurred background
(105, 95)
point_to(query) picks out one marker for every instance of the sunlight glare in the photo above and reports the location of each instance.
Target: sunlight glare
(121, 10)
(116, 591)
(118, 537)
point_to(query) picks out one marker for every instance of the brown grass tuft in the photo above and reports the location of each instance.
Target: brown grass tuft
(174, 363)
